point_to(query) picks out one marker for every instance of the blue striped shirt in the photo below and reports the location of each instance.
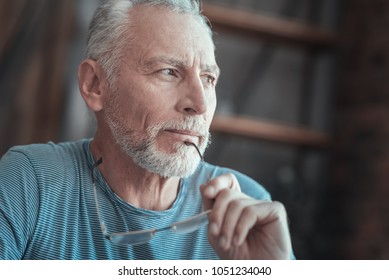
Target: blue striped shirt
(48, 211)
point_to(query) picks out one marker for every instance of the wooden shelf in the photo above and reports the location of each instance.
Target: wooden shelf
(264, 130)
(269, 27)
(256, 25)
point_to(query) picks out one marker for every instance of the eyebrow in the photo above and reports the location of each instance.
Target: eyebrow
(213, 68)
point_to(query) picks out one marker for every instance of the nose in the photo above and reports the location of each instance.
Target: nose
(194, 99)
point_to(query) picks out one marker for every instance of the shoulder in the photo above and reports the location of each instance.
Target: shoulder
(44, 155)
(46, 151)
(29, 178)
(41, 162)
(248, 185)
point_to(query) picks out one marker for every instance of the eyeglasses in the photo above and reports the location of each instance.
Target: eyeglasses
(143, 236)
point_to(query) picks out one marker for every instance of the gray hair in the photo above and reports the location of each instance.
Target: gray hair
(108, 30)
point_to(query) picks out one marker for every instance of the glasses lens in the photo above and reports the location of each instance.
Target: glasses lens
(132, 238)
(191, 224)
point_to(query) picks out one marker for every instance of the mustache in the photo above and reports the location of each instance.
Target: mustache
(198, 125)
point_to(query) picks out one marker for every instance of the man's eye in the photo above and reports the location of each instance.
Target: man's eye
(168, 72)
(209, 80)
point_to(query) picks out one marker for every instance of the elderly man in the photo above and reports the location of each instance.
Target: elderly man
(139, 189)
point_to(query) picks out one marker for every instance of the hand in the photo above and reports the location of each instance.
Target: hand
(241, 227)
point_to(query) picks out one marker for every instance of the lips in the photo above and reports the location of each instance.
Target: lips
(185, 135)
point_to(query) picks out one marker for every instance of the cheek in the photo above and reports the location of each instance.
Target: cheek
(142, 95)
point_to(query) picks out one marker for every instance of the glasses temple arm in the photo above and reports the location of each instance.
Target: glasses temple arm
(102, 224)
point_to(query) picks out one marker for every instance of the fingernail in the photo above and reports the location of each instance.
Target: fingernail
(209, 191)
(214, 229)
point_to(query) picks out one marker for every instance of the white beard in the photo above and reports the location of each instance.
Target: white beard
(143, 151)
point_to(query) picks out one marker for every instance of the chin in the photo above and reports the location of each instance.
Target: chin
(182, 161)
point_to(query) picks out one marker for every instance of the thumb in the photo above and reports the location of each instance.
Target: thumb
(207, 202)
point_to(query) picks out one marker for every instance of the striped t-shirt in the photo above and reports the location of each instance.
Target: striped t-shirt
(48, 211)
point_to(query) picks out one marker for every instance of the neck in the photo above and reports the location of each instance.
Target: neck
(131, 182)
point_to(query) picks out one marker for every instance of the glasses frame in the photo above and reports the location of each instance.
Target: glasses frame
(189, 225)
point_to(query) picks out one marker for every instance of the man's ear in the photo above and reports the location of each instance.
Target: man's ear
(91, 80)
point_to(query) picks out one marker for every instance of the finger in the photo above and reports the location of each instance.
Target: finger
(211, 189)
(221, 191)
(225, 197)
(245, 223)
(207, 203)
(230, 220)
(262, 215)
(214, 186)
(216, 218)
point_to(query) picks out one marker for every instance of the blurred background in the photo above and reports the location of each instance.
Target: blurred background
(302, 105)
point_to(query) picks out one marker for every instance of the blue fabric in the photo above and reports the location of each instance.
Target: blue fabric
(47, 209)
